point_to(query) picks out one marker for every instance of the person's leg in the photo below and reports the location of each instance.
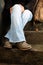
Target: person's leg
(16, 33)
(26, 17)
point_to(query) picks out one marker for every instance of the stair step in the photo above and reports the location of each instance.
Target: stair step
(38, 47)
(34, 37)
(18, 57)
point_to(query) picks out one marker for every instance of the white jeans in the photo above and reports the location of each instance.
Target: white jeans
(18, 22)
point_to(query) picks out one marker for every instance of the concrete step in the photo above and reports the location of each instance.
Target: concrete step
(34, 37)
(38, 47)
(18, 57)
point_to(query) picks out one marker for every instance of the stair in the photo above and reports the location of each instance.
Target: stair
(35, 39)
(18, 57)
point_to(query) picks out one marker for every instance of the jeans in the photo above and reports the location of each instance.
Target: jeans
(18, 22)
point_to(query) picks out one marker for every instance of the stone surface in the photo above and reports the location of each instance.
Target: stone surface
(18, 57)
(34, 37)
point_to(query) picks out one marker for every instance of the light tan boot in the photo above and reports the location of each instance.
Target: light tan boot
(24, 46)
(6, 43)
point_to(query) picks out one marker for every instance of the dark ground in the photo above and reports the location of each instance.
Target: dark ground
(18, 57)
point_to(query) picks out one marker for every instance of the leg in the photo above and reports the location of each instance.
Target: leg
(26, 17)
(16, 33)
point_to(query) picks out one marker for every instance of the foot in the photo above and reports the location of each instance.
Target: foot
(6, 43)
(24, 46)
